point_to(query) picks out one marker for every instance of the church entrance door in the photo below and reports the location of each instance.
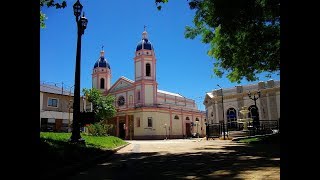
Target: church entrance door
(122, 131)
(188, 130)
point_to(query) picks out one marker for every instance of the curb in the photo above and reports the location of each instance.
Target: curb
(63, 172)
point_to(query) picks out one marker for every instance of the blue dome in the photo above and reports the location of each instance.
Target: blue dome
(144, 44)
(102, 62)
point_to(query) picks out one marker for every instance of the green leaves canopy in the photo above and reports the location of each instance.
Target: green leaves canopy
(49, 3)
(244, 35)
(103, 107)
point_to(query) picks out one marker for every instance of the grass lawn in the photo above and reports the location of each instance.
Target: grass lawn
(105, 142)
(57, 152)
(270, 139)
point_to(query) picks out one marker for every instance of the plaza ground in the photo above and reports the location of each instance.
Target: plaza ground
(188, 159)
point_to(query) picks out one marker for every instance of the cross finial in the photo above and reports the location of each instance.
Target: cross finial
(102, 51)
(144, 27)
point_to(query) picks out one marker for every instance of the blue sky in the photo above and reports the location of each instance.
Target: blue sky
(183, 65)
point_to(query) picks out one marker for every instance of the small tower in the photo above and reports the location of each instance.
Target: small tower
(101, 74)
(145, 72)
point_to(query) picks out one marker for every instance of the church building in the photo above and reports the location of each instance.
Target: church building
(143, 110)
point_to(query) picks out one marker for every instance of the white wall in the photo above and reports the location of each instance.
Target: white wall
(148, 94)
(138, 69)
(56, 115)
(94, 83)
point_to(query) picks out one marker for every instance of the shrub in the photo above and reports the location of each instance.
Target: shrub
(97, 129)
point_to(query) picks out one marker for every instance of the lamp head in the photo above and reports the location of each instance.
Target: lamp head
(77, 8)
(84, 22)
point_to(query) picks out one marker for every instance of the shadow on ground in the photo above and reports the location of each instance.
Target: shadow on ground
(203, 165)
(59, 158)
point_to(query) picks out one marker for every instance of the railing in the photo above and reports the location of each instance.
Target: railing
(216, 130)
(264, 127)
(268, 126)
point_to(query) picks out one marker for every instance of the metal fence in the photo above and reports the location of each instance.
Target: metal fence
(217, 130)
(266, 127)
(214, 130)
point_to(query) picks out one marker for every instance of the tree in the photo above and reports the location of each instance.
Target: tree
(244, 35)
(103, 107)
(49, 3)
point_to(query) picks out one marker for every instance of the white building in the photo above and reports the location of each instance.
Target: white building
(265, 107)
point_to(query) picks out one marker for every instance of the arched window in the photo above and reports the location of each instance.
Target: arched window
(176, 117)
(148, 70)
(187, 118)
(138, 94)
(101, 83)
(232, 119)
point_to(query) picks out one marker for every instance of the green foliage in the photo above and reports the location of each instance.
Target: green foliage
(244, 35)
(42, 19)
(99, 129)
(96, 129)
(49, 3)
(103, 107)
(159, 2)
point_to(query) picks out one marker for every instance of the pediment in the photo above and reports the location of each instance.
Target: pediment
(122, 83)
(207, 99)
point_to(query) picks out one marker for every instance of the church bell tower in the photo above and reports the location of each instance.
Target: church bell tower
(145, 72)
(101, 74)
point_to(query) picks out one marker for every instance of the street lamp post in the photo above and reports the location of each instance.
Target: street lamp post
(197, 123)
(70, 107)
(81, 26)
(165, 126)
(69, 122)
(254, 98)
(224, 131)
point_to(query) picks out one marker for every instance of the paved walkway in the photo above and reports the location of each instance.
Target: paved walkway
(188, 159)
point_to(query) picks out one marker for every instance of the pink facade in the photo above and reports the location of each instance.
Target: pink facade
(155, 109)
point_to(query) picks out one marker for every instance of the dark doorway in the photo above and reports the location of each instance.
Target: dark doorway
(188, 130)
(122, 131)
(58, 125)
(44, 124)
(254, 114)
